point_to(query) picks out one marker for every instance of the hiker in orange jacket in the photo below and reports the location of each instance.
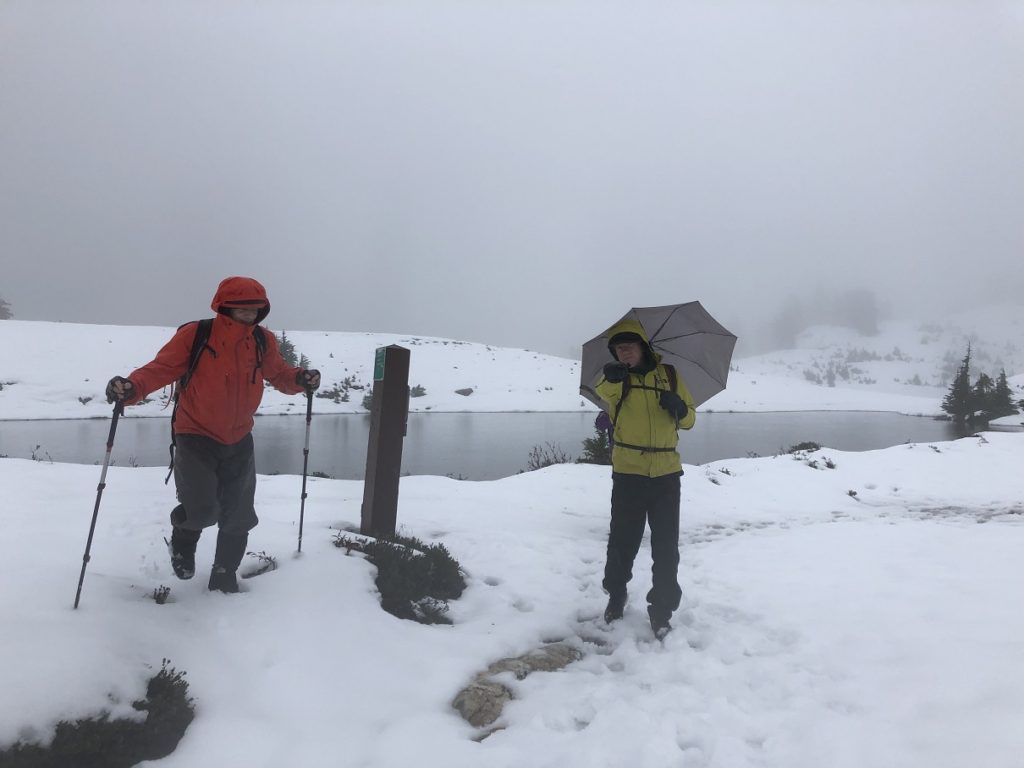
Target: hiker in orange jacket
(213, 459)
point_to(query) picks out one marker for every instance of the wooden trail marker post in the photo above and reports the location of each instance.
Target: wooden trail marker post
(389, 415)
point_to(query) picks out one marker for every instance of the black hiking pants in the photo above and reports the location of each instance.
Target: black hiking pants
(216, 485)
(636, 502)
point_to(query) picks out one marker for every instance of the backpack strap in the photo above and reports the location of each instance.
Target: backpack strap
(199, 343)
(261, 347)
(673, 377)
(627, 386)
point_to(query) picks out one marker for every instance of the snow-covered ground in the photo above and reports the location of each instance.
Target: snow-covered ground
(59, 370)
(863, 615)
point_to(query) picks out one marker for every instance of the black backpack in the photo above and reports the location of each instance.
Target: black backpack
(199, 343)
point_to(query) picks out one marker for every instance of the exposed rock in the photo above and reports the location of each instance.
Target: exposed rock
(480, 703)
(464, 392)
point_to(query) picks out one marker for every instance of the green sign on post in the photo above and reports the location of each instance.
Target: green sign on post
(378, 364)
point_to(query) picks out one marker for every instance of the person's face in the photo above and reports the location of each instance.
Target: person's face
(629, 352)
(245, 316)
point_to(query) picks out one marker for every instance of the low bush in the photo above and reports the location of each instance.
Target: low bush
(805, 446)
(415, 580)
(99, 742)
(547, 455)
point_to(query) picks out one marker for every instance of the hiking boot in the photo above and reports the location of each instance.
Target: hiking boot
(182, 547)
(223, 580)
(616, 605)
(230, 550)
(659, 622)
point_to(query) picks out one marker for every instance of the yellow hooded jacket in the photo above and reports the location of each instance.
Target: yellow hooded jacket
(642, 422)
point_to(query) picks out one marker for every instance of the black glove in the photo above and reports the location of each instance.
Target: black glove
(308, 379)
(615, 372)
(119, 389)
(674, 404)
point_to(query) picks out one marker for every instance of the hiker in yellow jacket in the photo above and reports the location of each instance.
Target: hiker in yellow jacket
(648, 402)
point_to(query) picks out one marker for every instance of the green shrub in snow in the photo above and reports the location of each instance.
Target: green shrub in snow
(415, 580)
(99, 742)
(808, 445)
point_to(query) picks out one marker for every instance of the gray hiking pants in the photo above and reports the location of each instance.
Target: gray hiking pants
(216, 484)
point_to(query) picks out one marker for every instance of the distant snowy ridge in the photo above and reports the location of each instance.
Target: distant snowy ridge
(59, 370)
(49, 369)
(905, 367)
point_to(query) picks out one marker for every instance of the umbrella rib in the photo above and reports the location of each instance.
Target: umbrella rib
(654, 335)
(697, 333)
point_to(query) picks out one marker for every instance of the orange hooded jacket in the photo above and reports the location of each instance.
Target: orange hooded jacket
(227, 384)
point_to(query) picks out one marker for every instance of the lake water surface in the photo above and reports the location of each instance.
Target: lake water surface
(473, 446)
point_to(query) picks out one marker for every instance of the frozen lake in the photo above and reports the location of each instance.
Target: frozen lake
(473, 446)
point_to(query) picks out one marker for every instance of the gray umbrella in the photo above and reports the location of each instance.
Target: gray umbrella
(685, 335)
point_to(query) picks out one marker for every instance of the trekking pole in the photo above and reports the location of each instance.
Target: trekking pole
(118, 410)
(305, 462)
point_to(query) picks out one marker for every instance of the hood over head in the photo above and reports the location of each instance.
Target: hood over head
(632, 330)
(243, 292)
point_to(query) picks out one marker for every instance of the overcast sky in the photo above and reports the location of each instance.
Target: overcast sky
(516, 173)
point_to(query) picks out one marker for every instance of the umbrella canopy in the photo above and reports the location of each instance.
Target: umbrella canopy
(685, 335)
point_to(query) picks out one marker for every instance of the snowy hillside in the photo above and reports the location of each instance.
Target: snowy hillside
(906, 367)
(59, 370)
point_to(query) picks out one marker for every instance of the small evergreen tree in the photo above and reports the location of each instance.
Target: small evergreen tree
(304, 362)
(959, 399)
(5, 310)
(287, 349)
(981, 396)
(1001, 403)
(596, 449)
